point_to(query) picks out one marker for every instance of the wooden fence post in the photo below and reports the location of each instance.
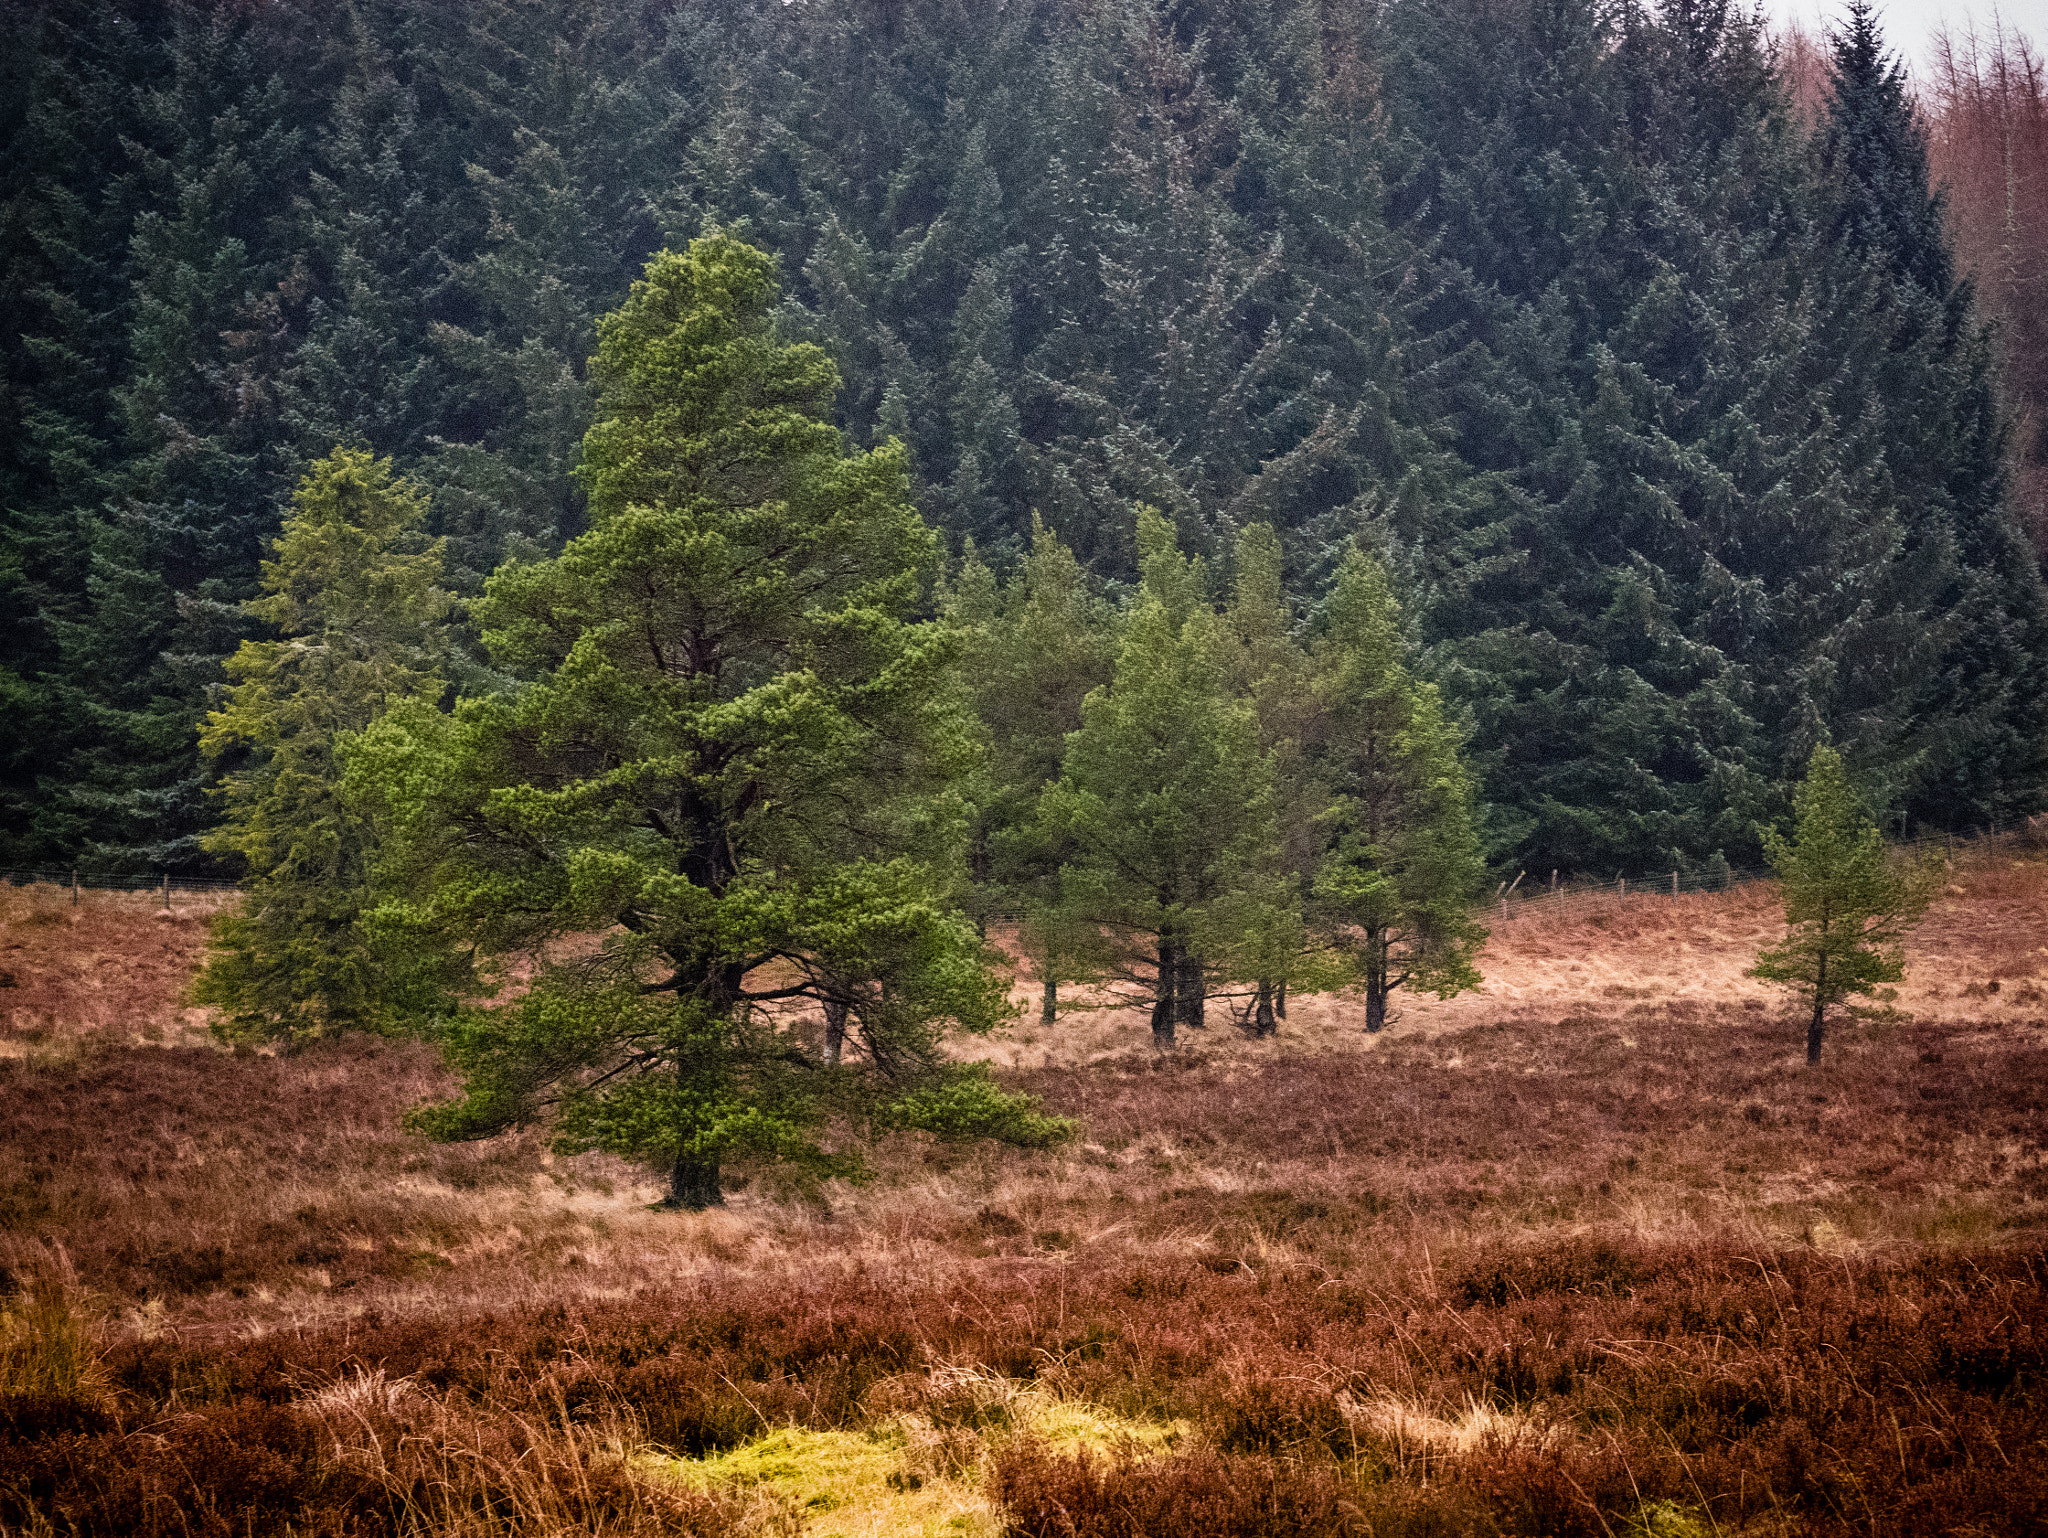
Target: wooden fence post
(167, 891)
(74, 886)
(1674, 886)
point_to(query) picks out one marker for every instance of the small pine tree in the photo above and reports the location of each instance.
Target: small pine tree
(353, 591)
(1396, 884)
(1848, 904)
(1167, 799)
(1030, 650)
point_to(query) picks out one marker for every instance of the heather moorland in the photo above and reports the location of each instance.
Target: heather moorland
(1591, 1250)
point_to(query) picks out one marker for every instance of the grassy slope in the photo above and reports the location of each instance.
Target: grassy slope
(1589, 1249)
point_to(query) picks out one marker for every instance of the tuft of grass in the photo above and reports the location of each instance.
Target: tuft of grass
(918, 1473)
(47, 1347)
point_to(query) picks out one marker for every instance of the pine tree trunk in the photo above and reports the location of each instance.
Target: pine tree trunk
(835, 1031)
(1162, 994)
(1280, 1000)
(693, 1185)
(1049, 1009)
(1375, 982)
(1262, 1019)
(981, 867)
(1192, 993)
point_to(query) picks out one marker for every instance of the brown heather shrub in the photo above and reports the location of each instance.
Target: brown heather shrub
(113, 968)
(1861, 1394)
(182, 1170)
(415, 1466)
(1598, 1254)
(1200, 1495)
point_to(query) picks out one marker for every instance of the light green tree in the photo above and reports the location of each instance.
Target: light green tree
(1848, 902)
(1031, 648)
(1167, 797)
(718, 799)
(1403, 863)
(352, 590)
(1268, 667)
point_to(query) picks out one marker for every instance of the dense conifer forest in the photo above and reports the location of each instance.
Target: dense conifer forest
(1689, 420)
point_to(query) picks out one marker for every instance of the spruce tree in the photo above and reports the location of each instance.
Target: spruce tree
(1981, 722)
(1404, 862)
(1848, 904)
(351, 590)
(174, 550)
(725, 763)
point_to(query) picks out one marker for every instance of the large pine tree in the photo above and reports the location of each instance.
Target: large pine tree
(727, 758)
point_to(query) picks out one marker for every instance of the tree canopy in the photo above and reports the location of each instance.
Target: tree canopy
(718, 789)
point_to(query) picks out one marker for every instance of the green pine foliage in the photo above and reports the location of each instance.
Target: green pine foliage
(1403, 862)
(352, 590)
(1849, 903)
(1030, 650)
(719, 788)
(1269, 668)
(1167, 798)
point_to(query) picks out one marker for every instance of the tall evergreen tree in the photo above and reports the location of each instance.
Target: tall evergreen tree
(175, 550)
(1983, 720)
(1403, 864)
(1031, 650)
(351, 589)
(1268, 667)
(729, 750)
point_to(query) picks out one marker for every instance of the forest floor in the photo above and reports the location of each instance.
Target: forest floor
(1589, 1251)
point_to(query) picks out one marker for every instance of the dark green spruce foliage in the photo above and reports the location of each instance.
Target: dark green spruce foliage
(1668, 415)
(1394, 890)
(1167, 798)
(1980, 727)
(719, 792)
(351, 589)
(1683, 544)
(1848, 902)
(172, 548)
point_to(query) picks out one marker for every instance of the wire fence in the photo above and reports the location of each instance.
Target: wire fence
(77, 882)
(1555, 898)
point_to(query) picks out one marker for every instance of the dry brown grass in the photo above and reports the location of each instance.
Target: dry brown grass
(1554, 1237)
(1988, 925)
(113, 969)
